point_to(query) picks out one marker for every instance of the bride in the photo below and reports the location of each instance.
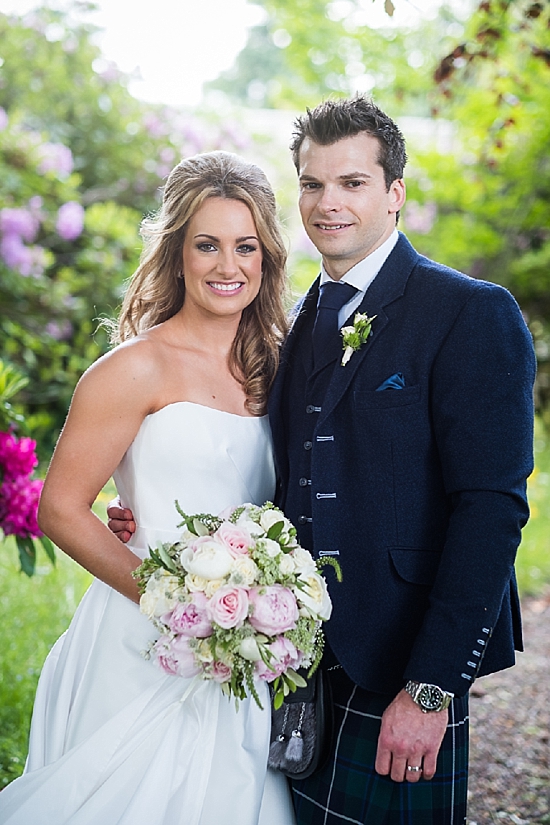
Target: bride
(176, 411)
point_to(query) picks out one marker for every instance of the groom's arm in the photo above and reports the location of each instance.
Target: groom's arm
(482, 411)
(121, 521)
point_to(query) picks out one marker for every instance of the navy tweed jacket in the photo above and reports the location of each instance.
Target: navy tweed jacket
(430, 477)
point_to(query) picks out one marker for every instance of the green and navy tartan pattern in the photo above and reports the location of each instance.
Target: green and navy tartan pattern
(348, 789)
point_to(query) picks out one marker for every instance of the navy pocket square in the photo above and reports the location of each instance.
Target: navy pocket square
(394, 382)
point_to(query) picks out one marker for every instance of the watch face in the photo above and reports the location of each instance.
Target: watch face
(430, 697)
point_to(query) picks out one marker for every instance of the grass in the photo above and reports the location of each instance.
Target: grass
(34, 612)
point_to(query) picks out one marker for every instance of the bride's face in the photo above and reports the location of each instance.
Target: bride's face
(222, 257)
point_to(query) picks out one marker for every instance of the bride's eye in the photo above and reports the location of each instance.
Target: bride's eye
(247, 248)
(205, 246)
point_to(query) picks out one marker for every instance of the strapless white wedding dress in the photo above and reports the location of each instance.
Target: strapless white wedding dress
(114, 740)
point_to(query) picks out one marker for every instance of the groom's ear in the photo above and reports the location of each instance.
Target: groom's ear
(397, 194)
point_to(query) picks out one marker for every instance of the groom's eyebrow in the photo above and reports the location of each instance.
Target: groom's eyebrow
(347, 176)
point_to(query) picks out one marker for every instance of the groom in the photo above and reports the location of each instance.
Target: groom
(408, 464)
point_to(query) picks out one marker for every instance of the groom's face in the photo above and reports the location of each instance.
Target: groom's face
(346, 208)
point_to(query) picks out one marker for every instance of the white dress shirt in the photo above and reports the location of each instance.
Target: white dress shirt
(362, 275)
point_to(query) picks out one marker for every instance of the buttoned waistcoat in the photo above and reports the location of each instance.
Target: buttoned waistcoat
(420, 492)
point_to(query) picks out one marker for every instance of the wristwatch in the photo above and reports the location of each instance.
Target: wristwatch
(429, 697)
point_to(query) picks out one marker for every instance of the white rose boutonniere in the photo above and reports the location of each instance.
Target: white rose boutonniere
(354, 337)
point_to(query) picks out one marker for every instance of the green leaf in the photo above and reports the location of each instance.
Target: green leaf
(48, 547)
(275, 530)
(27, 554)
(295, 678)
(278, 699)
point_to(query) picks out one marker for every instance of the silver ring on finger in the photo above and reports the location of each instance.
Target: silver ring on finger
(414, 768)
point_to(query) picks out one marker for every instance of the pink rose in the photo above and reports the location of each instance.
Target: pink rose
(221, 672)
(237, 540)
(176, 657)
(228, 607)
(285, 655)
(190, 618)
(274, 609)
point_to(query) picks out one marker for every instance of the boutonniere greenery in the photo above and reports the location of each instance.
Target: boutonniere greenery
(354, 337)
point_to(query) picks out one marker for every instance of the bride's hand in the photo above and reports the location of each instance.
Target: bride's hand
(121, 521)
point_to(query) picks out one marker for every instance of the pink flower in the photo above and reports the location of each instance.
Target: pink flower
(190, 618)
(237, 540)
(70, 220)
(285, 655)
(274, 609)
(18, 507)
(228, 607)
(220, 672)
(176, 657)
(3, 119)
(17, 455)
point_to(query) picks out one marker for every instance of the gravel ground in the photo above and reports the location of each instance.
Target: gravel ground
(510, 732)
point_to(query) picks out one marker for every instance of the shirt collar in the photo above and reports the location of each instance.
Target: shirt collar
(363, 273)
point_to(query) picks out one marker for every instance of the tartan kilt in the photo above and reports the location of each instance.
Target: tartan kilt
(348, 789)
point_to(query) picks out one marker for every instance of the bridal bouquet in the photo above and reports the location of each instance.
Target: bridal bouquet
(236, 598)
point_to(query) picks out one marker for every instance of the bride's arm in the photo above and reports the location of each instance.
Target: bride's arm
(109, 404)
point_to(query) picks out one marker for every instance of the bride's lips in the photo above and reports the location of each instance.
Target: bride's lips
(225, 288)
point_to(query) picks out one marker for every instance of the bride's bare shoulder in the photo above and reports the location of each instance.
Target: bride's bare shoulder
(131, 367)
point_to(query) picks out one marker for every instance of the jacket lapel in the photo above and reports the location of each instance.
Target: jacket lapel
(388, 286)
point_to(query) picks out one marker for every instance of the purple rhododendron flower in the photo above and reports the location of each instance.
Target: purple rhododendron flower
(70, 221)
(27, 260)
(20, 223)
(3, 119)
(57, 158)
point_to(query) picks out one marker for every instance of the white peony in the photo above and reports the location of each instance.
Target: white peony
(315, 595)
(207, 558)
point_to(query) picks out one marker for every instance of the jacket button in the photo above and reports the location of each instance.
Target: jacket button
(302, 519)
(310, 408)
(303, 482)
(307, 445)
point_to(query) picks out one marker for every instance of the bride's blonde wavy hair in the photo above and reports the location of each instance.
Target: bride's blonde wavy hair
(156, 291)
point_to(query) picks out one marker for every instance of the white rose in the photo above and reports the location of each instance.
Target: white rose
(286, 564)
(303, 560)
(207, 558)
(252, 527)
(271, 547)
(195, 583)
(249, 649)
(244, 571)
(212, 586)
(315, 595)
(203, 651)
(269, 518)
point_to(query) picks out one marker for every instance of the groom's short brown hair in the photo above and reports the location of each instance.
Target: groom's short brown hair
(333, 120)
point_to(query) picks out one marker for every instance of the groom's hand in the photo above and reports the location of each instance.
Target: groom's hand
(121, 521)
(409, 737)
